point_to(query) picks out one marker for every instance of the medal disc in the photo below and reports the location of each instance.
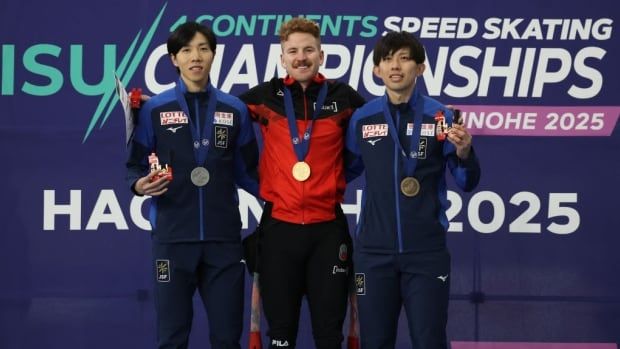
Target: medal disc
(410, 186)
(301, 171)
(200, 176)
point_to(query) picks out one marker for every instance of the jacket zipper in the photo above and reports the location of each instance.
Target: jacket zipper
(200, 189)
(303, 184)
(397, 189)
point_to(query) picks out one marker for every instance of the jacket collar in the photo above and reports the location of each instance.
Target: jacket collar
(318, 79)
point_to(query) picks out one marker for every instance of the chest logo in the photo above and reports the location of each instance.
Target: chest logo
(360, 284)
(422, 148)
(162, 267)
(427, 130)
(221, 118)
(172, 117)
(374, 141)
(174, 129)
(221, 137)
(375, 130)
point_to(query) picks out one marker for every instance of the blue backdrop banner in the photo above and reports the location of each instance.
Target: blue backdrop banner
(534, 248)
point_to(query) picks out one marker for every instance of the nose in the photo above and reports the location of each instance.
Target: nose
(300, 56)
(195, 55)
(394, 64)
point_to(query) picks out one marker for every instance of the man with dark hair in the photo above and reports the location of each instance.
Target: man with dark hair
(206, 140)
(404, 142)
(305, 244)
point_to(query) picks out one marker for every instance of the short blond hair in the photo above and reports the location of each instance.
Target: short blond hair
(299, 25)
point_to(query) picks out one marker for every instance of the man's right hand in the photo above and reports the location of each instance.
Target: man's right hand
(144, 186)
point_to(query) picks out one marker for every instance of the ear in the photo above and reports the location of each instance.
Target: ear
(173, 58)
(321, 57)
(376, 70)
(420, 69)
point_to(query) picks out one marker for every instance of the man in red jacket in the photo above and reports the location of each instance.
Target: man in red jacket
(305, 244)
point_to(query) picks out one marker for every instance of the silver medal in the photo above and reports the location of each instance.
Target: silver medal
(200, 176)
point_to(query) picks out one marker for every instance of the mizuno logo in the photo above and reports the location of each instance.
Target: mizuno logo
(373, 141)
(174, 129)
(443, 278)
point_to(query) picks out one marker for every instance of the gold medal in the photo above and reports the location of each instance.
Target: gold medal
(301, 171)
(410, 186)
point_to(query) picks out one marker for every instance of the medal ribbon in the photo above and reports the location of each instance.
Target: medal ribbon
(200, 152)
(416, 103)
(301, 146)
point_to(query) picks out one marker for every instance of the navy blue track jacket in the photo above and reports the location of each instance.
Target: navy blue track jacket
(390, 221)
(186, 212)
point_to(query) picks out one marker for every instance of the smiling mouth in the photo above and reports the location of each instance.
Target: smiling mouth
(301, 65)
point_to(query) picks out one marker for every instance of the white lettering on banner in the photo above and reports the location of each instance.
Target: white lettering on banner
(485, 212)
(526, 74)
(51, 209)
(434, 27)
(554, 66)
(540, 120)
(248, 205)
(135, 212)
(107, 199)
(107, 210)
(557, 206)
(503, 28)
(545, 29)
(504, 67)
(106, 202)
(245, 60)
(499, 120)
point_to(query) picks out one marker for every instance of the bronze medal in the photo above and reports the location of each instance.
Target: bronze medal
(410, 186)
(301, 171)
(199, 176)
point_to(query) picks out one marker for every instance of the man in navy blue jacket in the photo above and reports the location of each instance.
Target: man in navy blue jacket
(207, 138)
(404, 141)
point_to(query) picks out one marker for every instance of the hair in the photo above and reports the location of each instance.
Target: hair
(394, 41)
(184, 33)
(299, 25)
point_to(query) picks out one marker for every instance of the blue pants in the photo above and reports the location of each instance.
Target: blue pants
(386, 282)
(214, 268)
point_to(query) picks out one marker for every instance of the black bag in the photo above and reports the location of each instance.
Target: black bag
(251, 243)
(250, 250)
